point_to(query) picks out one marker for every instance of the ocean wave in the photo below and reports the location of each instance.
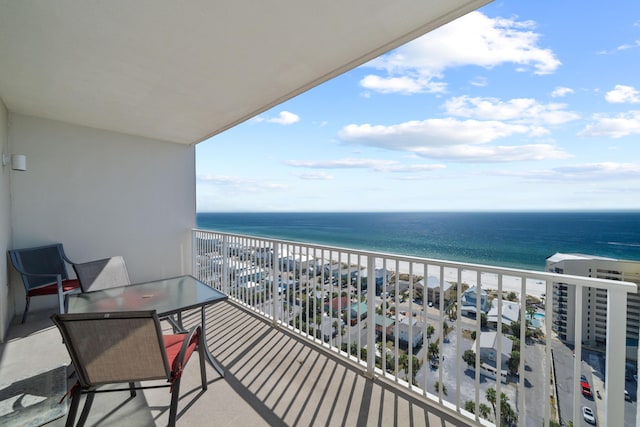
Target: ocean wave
(633, 245)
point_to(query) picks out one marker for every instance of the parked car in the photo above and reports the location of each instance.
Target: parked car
(586, 388)
(588, 415)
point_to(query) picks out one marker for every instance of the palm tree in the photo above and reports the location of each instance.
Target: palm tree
(484, 411)
(470, 406)
(434, 351)
(491, 398)
(415, 367)
(403, 363)
(436, 386)
(430, 331)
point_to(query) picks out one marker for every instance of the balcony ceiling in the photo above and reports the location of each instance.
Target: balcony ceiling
(184, 71)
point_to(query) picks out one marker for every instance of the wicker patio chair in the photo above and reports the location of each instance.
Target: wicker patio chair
(44, 272)
(125, 348)
(102, 274)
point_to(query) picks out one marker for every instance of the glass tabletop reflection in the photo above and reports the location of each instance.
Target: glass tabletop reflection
(167, 296)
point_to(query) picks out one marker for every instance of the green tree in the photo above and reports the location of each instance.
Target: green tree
(507, 414)
(484, 411)
(490, 394)
(436, 386)
(469, 356)
(470, 406)
(403, 362)
(415, 367)
(430, 331)
(434, 351)
(514, 362)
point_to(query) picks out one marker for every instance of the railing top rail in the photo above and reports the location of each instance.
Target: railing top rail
(628, 287)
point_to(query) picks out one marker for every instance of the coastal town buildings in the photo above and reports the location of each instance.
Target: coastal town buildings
(489, 349)
(431, 290)
(469, 298)
(594, 301)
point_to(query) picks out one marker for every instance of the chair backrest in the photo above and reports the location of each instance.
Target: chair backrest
(102, 274)
(49, 259)
(118, 347)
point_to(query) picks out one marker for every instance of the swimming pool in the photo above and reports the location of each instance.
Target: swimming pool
(536, 319)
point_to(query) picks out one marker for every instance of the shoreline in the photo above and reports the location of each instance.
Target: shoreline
(488, 281)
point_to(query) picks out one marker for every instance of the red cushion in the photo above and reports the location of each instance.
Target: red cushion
(173, 343)
(52, 289)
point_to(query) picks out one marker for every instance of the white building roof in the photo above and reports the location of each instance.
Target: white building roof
(490, 340)
(510, 311)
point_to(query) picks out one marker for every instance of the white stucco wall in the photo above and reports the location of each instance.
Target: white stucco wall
(6, 309)
(102, 194)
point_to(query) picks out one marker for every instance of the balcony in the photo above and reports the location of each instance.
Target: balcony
(291, 284)
(272, 378)
(281, 369)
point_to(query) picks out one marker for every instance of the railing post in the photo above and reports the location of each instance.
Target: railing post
(371, 316)
(615, 357)
(194, 255)
(274, 283)
(225, 264)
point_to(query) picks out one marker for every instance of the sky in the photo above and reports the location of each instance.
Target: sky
(521, 105)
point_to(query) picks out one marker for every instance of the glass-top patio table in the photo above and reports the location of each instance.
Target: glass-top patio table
(167, 297)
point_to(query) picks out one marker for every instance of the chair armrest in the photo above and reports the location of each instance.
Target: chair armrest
(196, 330)
(67, 260)
(56, 275)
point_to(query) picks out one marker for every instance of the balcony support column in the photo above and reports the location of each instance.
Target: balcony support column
(616, 352)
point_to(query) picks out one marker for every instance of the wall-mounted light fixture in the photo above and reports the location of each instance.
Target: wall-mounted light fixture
(18, 162)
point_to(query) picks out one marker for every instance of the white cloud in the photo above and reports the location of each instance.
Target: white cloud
(622, 47)
(581, 172)
(479, 81)
(284, 118)
(623, 94)
(473, 39)
(238, 184)
(490, 154)
(413, 134)
(372, 164)
(451, 139)
(519, 110)
(315, 176)
(404, 85)
(618, 126)
(561, 92)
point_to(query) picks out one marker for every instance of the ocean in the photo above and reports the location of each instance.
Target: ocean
(507, 239)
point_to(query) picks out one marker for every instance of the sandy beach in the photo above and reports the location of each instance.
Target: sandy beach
(535, 286)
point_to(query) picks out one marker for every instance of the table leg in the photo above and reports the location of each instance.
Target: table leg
(210, 358)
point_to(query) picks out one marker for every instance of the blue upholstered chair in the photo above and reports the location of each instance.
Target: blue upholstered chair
(44, 272)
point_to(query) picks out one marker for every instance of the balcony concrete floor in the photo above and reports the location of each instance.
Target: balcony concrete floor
(272, 378)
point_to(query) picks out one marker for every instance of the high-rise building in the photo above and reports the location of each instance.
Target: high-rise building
(594, 301)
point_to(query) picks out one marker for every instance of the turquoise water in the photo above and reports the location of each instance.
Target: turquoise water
(507, 239)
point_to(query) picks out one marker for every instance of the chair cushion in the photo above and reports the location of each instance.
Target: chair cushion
(52, 289)
(172, 344)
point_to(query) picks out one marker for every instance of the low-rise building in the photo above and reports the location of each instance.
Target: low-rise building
(510, 313)
(431, 290)
(410, 331)
(469, 301)
(488, 347)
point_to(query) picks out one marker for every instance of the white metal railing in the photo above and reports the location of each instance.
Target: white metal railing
(353, 301)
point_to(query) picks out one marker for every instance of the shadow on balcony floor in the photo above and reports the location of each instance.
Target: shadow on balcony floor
(271, 378)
